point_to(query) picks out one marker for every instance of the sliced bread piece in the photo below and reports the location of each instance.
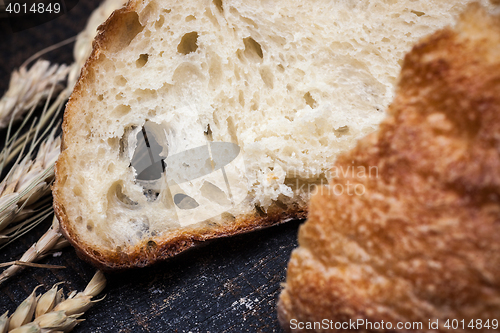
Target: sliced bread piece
(414, 246)
(194, 120)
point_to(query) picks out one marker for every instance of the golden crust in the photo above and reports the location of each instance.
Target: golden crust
(421, 242)
(157, 249)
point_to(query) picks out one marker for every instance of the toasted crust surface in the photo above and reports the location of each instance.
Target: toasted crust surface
(418, 241)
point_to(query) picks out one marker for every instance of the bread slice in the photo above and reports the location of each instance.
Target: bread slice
(194, 120)
(416, 239)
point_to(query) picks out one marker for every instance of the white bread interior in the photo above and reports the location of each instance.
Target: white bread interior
(291, 83)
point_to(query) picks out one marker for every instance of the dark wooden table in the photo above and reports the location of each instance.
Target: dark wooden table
(227, 285)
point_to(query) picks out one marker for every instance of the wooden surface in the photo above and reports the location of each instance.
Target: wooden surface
(229, 285)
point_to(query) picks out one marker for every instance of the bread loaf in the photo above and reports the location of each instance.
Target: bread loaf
(199, 119)
(411, 244)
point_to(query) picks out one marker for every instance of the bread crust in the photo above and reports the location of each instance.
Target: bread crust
(148, 252)
(421, 242)
(145, 254)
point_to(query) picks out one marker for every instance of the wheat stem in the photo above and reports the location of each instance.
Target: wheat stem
(11, 234)
(15, 144)
(29, 264)
(38, 250)
(47, 50)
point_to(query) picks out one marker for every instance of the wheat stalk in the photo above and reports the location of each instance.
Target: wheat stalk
(17, 142)
(50, 241)
(9, 235)
(51, 310)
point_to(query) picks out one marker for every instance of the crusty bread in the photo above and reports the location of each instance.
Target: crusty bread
(280, 86)
(416, 239)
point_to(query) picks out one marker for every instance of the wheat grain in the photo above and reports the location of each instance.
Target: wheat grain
(29, 87)
(96, 285)
(47, 155)
(53, 312)
(61, 243)
(25, 184)
(28, 328)
(28, 180)
(75, 305)
(52, 319)
(24, 312)
(4, 322)
(49, 300)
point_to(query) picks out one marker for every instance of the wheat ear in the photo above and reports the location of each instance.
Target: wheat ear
(51, 240)
(29, 87)
(52, 312)
(30, 175)
(25, 184)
